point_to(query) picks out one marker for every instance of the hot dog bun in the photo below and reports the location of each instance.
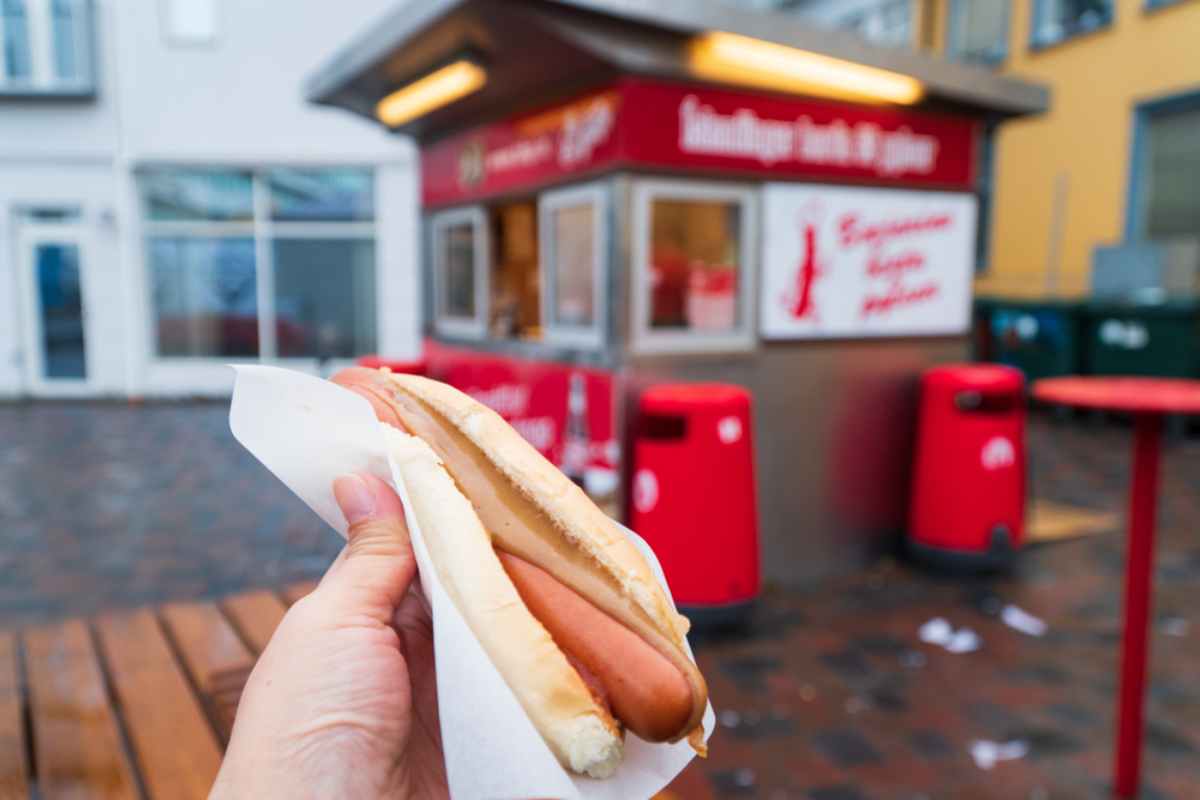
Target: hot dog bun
(537, 517)
(580, 732)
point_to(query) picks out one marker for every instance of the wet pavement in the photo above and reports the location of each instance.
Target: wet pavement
(113, 505)
(829, 694)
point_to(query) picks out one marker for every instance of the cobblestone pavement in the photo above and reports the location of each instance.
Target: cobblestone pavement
(828, 695)
(112, 505)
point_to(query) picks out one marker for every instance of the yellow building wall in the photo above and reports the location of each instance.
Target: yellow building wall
(1083, 143)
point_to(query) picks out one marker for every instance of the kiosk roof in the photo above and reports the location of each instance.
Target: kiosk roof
(539, 51)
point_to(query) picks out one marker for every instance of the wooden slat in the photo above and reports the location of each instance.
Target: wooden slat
(211, 649)
(256, 615)
(75, 732)
(214, 655)
(297, 590)
(14, 783)
(176, 749)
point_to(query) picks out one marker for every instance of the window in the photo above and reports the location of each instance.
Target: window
(574, 241)
(18, 61)
(460, 272)
(189, 22)
(986, 191)
(692, 266)
(1170, 171)
(46, 47)
(205, 296)
(887, 23)
(67, 29)
(324, 291)
(978, 30)
(1056, 20)
(277, 263)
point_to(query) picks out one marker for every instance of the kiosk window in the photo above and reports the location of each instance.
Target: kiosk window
(515, 311)
(694, 263)
(460, 241)
(574, 248)
(573, 300)
(458, 300)
(693, 272)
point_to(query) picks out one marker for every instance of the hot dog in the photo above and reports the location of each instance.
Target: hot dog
(563, 604)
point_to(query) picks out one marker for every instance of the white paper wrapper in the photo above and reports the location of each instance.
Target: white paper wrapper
(308, 432)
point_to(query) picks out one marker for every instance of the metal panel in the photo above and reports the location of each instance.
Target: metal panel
(834, 430)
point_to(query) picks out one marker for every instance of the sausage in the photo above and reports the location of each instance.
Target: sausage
(647, 692)
(358, 380)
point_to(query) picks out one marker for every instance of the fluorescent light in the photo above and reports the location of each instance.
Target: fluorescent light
(433, 91)
(730, 58)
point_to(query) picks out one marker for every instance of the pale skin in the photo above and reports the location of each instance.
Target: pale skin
(343, 701)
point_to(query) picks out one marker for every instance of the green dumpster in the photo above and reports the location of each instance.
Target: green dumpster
(1039, 337)
(1128, 338)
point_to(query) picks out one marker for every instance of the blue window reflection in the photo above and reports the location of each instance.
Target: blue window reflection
(205, 296)
(341, 195)
(17, 62)
(65, 21)
(178, 195)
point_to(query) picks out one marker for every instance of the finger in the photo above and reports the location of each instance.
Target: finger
(335, 565)
(378, 566)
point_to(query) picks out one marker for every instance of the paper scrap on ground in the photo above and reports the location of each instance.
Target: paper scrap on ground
(1021, 620)
(1175, 626)
(308, 432)
(938, 631)
(988, 754)
(964, 640)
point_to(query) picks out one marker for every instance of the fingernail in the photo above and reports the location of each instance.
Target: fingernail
(355, 498)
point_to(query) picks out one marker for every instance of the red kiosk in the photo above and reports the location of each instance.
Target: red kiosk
(619, 194)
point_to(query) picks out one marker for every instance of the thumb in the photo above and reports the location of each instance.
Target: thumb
(378, 563)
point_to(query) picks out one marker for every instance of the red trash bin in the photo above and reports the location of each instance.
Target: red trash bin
(416, 366)
(693, 495)
(968, 491)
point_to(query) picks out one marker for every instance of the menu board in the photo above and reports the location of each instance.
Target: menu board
(857, 262)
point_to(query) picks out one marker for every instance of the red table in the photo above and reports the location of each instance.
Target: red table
(1148, 399)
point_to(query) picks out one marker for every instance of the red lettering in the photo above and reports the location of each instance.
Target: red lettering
(897, 296)
(894, 265)
(874, 234)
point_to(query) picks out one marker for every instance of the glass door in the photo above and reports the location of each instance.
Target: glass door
(56, 320)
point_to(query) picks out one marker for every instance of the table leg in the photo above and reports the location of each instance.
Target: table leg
(1139, 576)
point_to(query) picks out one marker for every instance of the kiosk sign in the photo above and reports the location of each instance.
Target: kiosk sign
(704, 128)
(840, 262)
(649, 123)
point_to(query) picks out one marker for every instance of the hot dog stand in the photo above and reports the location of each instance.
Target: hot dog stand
(621, 193)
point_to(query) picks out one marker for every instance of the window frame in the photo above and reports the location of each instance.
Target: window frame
(262, 231)
(954, 30)
(598, 196)
(985, 185)
(644, 340)
(462, 327)
(1037, 43)
(1137, 190)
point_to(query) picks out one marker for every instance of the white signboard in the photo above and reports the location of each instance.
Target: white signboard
(841, 262)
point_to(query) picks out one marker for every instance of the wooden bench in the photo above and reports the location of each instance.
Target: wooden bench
(139, 703)
(129, 704)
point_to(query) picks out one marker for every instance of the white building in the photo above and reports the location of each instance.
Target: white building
(169, 203)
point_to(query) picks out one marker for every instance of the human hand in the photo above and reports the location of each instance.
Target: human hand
(343, 701)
